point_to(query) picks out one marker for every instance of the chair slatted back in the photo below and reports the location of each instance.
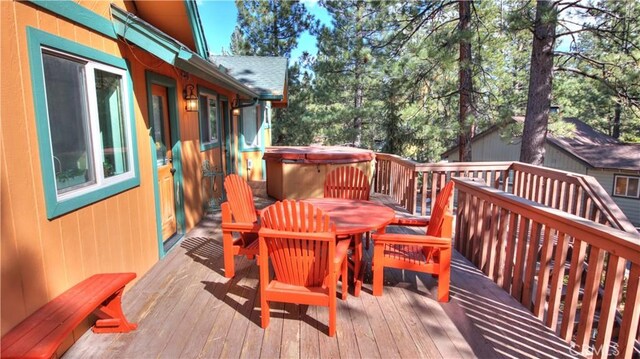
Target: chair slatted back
(300, 262)
(348, 183)
(240, 198)
(441, 208)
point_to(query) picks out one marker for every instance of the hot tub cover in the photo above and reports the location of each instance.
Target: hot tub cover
(317, 154)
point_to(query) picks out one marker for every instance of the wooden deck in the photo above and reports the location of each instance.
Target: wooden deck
(186, 308)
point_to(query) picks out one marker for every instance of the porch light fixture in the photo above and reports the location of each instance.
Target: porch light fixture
(191, 99)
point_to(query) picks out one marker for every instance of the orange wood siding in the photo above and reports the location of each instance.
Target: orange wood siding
(256, 171)
(41, 258)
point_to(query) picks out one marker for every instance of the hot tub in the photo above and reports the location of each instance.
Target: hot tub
(298, 172)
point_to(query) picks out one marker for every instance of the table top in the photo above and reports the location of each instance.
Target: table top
(354, 216)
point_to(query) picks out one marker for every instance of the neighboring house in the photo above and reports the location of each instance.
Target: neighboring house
(110, 109)
(267, 76)
(614, 164)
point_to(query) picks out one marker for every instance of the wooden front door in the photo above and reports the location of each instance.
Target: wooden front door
(164, 156)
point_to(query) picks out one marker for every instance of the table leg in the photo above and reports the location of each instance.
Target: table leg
(358, 265)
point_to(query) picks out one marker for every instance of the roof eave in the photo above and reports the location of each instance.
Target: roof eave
(163, 46)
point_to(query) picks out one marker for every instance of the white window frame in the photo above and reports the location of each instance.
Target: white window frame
(257, 141)
(626, 178)
(94, 125)
(211, 141)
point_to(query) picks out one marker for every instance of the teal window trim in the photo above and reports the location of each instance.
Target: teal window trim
(242, 145)
(176, 147)
(56, 207)
(196, 27)
(80, 15)
(216, 144)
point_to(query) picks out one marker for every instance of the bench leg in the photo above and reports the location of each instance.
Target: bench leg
(110, 316)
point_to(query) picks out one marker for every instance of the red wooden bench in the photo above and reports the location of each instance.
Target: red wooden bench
(40, 334)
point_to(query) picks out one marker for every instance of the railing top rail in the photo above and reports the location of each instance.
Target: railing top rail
(591, 186)
(448, 166)
(624, 244)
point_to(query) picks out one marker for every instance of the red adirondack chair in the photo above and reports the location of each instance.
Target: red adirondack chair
(239, 215)
(429, 253)
(347, 182)
(301, 244)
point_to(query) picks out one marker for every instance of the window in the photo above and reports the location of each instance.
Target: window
(84, 124)
(209, 135)
(626, 186)
(251, 126)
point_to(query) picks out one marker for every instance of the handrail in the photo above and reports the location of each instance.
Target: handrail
(524, 247)
(415, 185)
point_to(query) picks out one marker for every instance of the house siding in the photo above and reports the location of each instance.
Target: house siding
(630, 206)
(41, 258)
(491, 147)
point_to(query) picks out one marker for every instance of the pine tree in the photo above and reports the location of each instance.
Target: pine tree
(345, 77)
(269, 27)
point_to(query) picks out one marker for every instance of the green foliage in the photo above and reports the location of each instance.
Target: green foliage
(269, 27)
(387, 73)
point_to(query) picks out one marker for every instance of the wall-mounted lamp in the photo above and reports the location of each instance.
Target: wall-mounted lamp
(191, 99)
(236, 111)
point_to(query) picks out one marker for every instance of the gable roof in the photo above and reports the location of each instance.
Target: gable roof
(597, 149)
(586, 144)
(266, 75)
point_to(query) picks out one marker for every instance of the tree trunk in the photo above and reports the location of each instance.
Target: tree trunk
(358, 92)
(615, 130)
(465, 119)
(540, 79)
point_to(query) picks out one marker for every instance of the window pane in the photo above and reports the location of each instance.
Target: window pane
(204, 120)
(111, 120)
(250, 126)
(158, 121)
(632, 188)
(68, 122)
(620, 186)
(213, 122)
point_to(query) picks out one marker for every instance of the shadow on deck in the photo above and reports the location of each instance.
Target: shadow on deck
(185, 307)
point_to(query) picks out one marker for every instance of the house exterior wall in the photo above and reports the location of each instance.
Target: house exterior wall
(630, 206)
(43, 257)
(491, 147)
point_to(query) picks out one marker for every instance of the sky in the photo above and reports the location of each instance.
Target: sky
(219, 19)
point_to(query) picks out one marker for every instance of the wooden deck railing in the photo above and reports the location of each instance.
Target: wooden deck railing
(568, 270)
(412, 185)
(404, 179)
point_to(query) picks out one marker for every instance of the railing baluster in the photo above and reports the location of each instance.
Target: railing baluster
(557, 281)
(573, 289)
(589, 298)
(501, 248)
(523, 229)
(486, 240)
(531, 260)
(631, 315)
(493, 240)
(543, 273)
(510, 254)
(613, 284)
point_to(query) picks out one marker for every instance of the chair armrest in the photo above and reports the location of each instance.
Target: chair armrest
(322, 236)
(411, 239)
(341, 251)
(399, 221)
(241, 227)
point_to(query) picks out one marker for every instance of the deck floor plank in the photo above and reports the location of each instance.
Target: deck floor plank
(186, 308)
